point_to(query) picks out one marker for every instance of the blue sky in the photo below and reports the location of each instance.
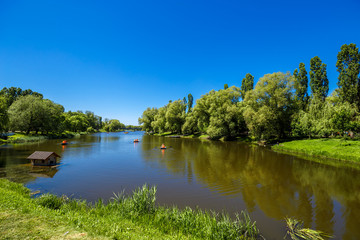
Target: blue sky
(116, 58)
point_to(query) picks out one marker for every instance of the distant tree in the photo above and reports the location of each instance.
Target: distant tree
(268, 107)
(190, 102)
(226, 86)
(4, 119)
(13, 93)
(319, 82)
(301, 85)
(348, 66)
(247, 84)
(147, 118)
(114, 125)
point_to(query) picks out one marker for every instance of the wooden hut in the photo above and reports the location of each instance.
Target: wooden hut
(41, 158)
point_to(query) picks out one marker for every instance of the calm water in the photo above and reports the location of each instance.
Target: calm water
(226, 176)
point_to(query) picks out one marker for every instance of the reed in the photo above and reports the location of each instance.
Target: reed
(296, 231)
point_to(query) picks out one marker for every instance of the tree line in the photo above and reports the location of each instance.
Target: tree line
(279, 106)
(27, 111)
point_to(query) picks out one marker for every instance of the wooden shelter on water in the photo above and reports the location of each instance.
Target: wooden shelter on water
(41, 158)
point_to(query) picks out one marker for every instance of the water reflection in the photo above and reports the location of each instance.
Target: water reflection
(213, 175)
(279, 185)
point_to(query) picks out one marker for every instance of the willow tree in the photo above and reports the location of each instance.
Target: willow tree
(147, 118)
(319, 82)
(348, 66)
(175, 116)
(269, 106)
(30, 113)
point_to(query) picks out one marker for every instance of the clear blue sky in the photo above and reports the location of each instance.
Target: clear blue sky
(116, 58)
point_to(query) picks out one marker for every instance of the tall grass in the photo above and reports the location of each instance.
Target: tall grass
(140, 207)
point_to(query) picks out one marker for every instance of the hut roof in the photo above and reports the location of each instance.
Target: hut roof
(41, 155)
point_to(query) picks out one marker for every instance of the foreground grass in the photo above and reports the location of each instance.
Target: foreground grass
(340, 149)
(123, 217)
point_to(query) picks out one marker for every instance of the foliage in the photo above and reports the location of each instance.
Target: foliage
(30, 113)
(269, 106)
(147, 118)
(4, 118)
(247, 84)
(325, 118)
(13, 93)
(319, 82)
(300, 86)
(113, 125)
(348, 66)
(175, 116)
(296, 231)
(190, 102)
(159, 123)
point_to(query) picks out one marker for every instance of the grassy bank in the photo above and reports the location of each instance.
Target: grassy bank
(32, 137)
(123, 217)
(348, 150)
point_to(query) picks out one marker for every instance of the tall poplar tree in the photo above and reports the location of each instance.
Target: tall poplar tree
(348, 66)
(190, 102)
(247, 84)
(301, 86)
(319, 82)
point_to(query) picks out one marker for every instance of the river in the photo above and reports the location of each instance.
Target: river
(222, 176)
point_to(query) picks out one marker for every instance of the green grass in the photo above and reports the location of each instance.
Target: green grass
(348, 150)
(124, 217)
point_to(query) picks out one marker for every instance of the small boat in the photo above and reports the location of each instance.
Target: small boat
(136, 140)
(64, 142)
(163, 146)
(126, 132)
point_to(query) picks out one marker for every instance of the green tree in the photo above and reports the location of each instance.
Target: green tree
(190, 102)
(269, 106)
(159, 123)
(13, 93)
(175, 116)
(147, 118)
(31, 113)
(348, 66)
(226, 86)
(4, 119)
(319, 82)
(247, 84)
(114, 125)
(217, 114)
(301, 86)
(323, 119)
(190, 125)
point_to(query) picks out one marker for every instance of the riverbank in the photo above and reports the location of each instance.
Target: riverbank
(32, 137)
(339, 149)
(123, 217)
